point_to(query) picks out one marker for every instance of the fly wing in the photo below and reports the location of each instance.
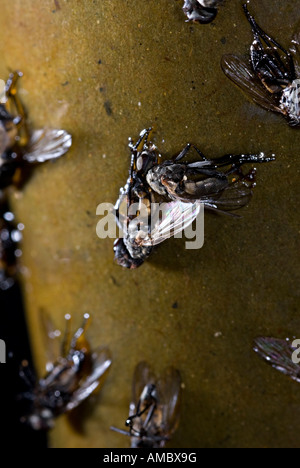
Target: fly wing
(143, 375)
(176, 216)
(101, 363)
(278, 353)
(232, 198)
(240, 72)
(47, 144)
(169, 394)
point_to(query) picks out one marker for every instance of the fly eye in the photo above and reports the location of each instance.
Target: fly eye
(140, 163)
(143, 161)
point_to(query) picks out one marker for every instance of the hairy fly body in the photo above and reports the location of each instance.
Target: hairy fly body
(201, 11)
(20, 147)
(154, 409)
(271, 78)
(71, 378)
(182, 187)
(279, 354)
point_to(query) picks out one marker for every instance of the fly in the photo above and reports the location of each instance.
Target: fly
(20, 147)
(279, 354)
(272, 76)
(201, 11)
(154, 409)
(182, 186)
(72, 378)
(131, 251)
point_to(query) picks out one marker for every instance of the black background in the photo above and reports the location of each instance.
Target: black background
(13, 331)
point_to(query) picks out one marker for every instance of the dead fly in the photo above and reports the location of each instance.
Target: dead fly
(70, 380)
(10, 236)
(281, 354)
(182, 187)
(201, 11)
(154, 410)
(20, 147)
(272, 76)
(131, 251)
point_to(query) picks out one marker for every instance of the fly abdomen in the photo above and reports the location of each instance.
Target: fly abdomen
(290, 102)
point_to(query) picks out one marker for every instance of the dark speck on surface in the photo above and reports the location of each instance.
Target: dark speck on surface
(223, 40)
(65, 83)
(107, 107)
(175, 305)
(115, 282)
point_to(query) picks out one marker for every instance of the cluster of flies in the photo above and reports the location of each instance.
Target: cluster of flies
(271, 78)
(75, 372)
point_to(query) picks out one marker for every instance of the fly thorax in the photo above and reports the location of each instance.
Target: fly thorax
(153, 179)
(290, 101)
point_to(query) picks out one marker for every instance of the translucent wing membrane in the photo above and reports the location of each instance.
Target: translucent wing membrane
(233, 197)
(279, 354)
(46, 145)
(240, 72)
(169, 392)
(177, 216)
(143, 375)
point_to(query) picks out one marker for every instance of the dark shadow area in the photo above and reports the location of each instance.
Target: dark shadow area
(13, 331)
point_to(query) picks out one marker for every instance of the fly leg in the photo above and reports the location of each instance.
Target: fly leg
(65, 346)
(200, 154)
(259, 32)
(273, 45)
(129, 422)
(144, 135)
(182, 153)
(237, 160)
(79, 341)
(20, 120)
